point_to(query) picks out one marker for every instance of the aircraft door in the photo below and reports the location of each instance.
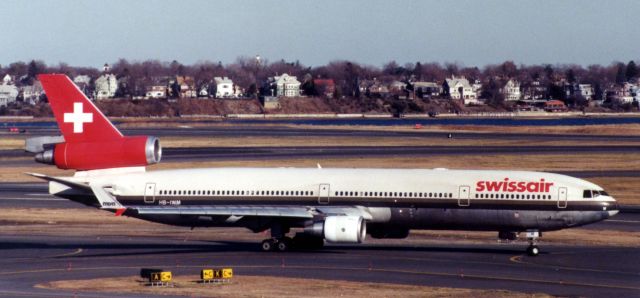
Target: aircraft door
(463, 196)
(562, 197)
(323, 193)
(150, 193)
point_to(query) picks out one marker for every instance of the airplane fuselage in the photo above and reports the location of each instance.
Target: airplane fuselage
(392, 198)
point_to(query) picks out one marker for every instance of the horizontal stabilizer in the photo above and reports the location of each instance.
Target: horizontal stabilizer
(62, 181)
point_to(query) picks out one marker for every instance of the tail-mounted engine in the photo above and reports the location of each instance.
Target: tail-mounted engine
(125, 152)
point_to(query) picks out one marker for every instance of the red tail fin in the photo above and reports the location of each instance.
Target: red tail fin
(78, 118)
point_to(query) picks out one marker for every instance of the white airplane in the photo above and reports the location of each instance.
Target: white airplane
(333, 205)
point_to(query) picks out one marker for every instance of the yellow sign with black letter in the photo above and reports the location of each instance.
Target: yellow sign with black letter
(227, 273)
(206, 274)
(164, 276)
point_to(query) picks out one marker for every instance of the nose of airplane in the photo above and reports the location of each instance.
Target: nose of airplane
(613, 209)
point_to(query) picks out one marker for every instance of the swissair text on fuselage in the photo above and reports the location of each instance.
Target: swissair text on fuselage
(514, 186)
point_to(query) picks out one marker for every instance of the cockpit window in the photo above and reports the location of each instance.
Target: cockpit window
(594, 193)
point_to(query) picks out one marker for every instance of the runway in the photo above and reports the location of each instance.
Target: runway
(244, 130)
(560, 270)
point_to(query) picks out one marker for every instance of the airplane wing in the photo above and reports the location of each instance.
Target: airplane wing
(301, 212)
(228, 210)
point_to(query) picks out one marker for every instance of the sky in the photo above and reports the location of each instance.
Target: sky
(470, 33)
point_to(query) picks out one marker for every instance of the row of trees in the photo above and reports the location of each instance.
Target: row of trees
(250, 73)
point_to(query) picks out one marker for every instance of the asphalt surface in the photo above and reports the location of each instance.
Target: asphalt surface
(243, 130)
(559, 270)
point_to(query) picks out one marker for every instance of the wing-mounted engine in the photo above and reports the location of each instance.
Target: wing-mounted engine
(339, 229)
(123, 152)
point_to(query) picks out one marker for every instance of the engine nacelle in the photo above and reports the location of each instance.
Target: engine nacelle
(340, 229)
(127, 152)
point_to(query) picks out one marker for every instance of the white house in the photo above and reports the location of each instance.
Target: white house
(586, 91)
(287, 86)
(156, 91)
(7, 80)
(511, 90)
(31, 94)
(459, 88)
(535, 91)
(224, 87)
(82, 79)
(8, 91)
(106, 86)
(204, 91)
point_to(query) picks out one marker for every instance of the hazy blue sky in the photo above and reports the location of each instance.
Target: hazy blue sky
(473, 33)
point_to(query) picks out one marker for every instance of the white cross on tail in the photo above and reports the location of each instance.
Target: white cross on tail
(78, 118)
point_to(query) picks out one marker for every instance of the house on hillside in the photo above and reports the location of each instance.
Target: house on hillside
(224, 87)
(397, 86)
(555, 106)
(106, 86)
(534, 91)
(31, 94)
(84, 84)
(511, 90)
(7, 80)
(621, 93)
(585, 91)
(427, 89)
(287, 86)
(187, 87)
(459, 88)
(374, 88)
(8, 91)
(156, 92)
(325, 87)
(204, 91)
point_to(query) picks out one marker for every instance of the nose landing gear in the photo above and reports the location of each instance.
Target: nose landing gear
(532, 237)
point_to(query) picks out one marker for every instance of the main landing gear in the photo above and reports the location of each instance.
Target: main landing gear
(277, 244)
(532, 237)
(280, 242)
(300, 241)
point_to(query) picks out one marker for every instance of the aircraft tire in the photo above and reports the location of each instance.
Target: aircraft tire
(533, 250)
(267, 245)
(284, 244)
